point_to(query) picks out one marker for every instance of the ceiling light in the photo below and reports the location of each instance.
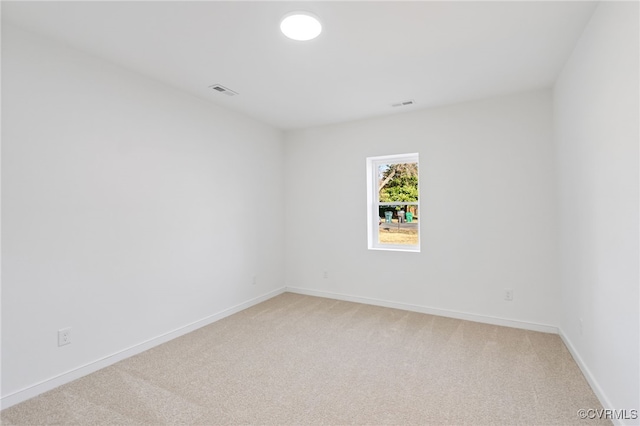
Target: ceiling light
(301, 26)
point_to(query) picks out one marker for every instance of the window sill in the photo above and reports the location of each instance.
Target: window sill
(410, 249)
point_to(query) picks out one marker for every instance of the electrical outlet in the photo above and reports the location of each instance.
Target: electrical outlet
(581, 326)
(325, 274)
(508, 294)
(254, 280)
(64, 336)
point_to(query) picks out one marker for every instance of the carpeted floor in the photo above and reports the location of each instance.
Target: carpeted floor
(299, 360)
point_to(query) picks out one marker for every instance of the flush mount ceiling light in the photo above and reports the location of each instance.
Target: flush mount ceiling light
(301, 26)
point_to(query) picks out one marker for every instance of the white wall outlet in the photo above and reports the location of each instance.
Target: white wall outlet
(508, 294)
(64, 336)
(254, 280)
(325, 274)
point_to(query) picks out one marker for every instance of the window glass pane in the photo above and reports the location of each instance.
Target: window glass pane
(392, 199)
(398, 182)
(398, 224)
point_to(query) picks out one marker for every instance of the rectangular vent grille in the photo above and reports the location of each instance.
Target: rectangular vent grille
(220, 88)
(404, 103)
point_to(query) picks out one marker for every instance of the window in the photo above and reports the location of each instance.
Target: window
(393, 202)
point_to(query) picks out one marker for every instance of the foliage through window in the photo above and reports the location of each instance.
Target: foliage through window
(393, 200)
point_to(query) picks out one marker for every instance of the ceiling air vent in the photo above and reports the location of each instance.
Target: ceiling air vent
(220, 88)
(405, 103)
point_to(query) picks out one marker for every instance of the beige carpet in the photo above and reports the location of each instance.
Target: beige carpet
(299, 360)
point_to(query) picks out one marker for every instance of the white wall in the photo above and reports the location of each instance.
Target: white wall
(129, 209)
(596, 127)
(116, 202)
(488, 209)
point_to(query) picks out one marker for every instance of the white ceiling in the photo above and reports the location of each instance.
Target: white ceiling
(369, 56)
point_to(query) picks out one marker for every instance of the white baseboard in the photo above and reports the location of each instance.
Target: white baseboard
(476, 318)
(44, 386)
(427, 310)
(595, 386)
(49, 384)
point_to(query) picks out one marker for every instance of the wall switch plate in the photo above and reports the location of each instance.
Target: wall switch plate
(64, 336)
(508, 294)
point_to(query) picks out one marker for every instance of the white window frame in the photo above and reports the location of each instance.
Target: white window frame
(373, 201)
